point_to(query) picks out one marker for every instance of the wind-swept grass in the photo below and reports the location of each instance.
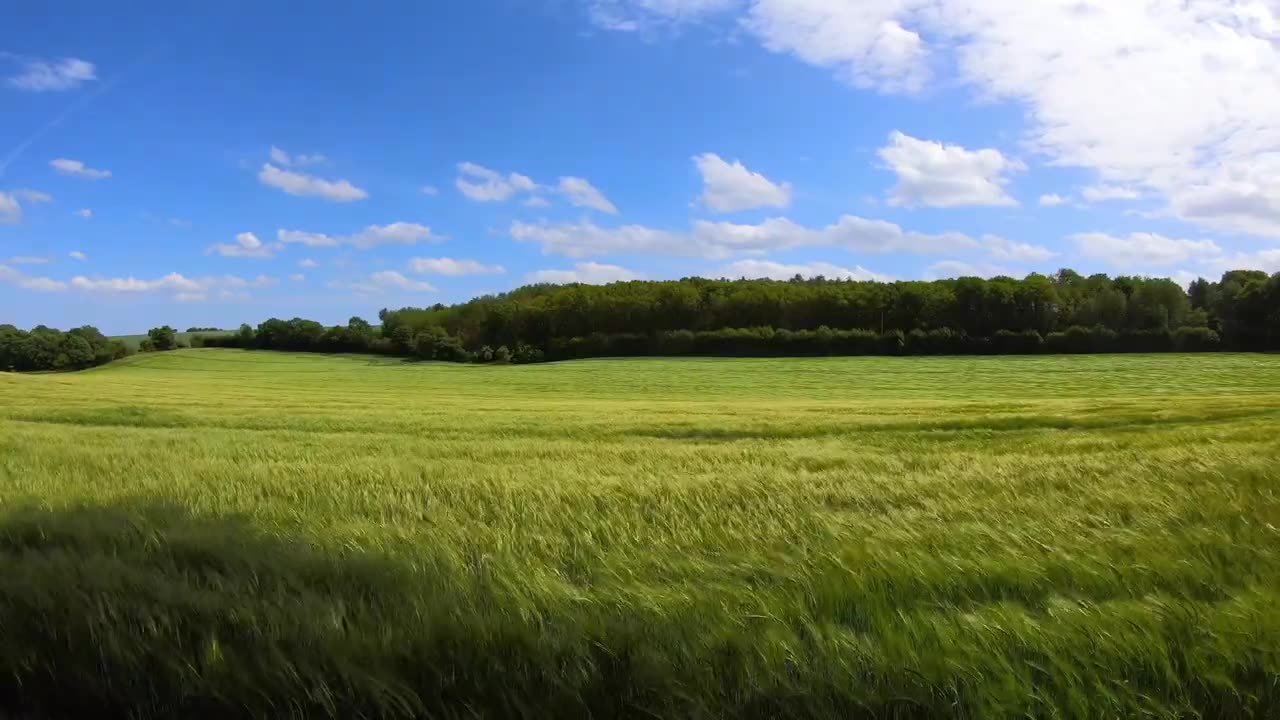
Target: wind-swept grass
(225, 533)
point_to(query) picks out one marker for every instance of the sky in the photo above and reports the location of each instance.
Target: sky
(228, 162)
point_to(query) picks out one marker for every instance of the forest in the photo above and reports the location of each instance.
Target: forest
(1063, 313)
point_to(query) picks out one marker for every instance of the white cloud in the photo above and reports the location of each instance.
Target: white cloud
(10, 209)
(1243, 198)
(304, 185)
(587, 273)
(247, 245)
(381, 282)
(583, 194)
(298, 277)
(722, 239)
(537, 201)
(481, 184)
(1009, 251)
(308, 263)
(9, 276)
(52, 75)
(27, 260)
(78, 169)
(754, 269)
(960, 268)
(397, 233)
(1175, 98)
(284, 159)
(431, 190)
(932, 174)
(33, 196)
(183, 288)
(642, 15)
(1053, 200)
(1103, 193)
(729, 187)
(449, 266)
(1142, 250)
(85, 213)
(77, 255)
(866, 43)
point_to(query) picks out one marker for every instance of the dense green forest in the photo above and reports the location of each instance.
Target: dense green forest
(1066, 312)
(1063, 313)
(47, 349)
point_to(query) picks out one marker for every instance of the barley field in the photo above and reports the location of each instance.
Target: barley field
(225, 533)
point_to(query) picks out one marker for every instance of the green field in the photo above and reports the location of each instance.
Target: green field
(224, 533)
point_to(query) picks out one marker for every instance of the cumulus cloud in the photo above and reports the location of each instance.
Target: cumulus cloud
(730, 187)
(183, 288)
(298, 277)
(431, 190)
(722, 239)
(754, 269)
(961, 268)
(85, 213)
(587, 273)
(27, 260)
(1009, 251)
(77, 255)
(1103, 193)
(381, 282)
(1174, 98)
(1136, 251)
(33, 196)
(38, 75)
(449, 266)
(1053, 200)
(581, 193)
(481, 184)
(398, 233)
(643, 15)
(932, 174)
(246, 245)
(284, 159)
(11, 276)
(10, 209)
(76, 168)
(304, 185)
(308, 263)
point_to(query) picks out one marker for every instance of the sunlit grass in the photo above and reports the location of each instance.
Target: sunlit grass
(219, 531)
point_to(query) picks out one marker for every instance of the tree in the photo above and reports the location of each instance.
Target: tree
(162, 338)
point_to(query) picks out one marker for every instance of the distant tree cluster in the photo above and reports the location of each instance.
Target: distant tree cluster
(1063, 313)
(203, 329)
(45, 349)
(160, 339)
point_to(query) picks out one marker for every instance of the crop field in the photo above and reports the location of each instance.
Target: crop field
(228, 533)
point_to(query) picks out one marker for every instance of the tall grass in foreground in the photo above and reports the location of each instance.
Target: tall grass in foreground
(222, 533)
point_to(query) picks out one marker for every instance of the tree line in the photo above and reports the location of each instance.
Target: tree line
(1063, 313)
(47, 349)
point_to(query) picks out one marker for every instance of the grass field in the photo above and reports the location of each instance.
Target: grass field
(184, 338)
(222, 533)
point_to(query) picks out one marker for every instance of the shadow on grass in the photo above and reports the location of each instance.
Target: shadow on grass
(146, 610)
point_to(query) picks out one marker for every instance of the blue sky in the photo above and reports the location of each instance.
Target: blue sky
(232, 162)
